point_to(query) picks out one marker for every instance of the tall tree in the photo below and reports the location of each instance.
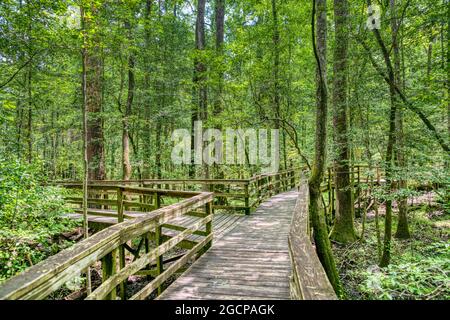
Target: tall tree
(343, 229)
(220, 21)
(323, 245)
(402, 225)
(94, 87)
(200, 92)
(84, 56)
(126, 163)
(147, 91)
(276, 74)
(386, 256)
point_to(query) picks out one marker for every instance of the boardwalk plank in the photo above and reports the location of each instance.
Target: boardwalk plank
(249, 261)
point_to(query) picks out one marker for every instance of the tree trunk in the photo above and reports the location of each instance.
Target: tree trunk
(220, 20)
(147, 92)
(343, 229)
(200, 94)
(94, 69)
(85, 111)
(218, 102)
(126, 164)
(276, 73)
(158, 149)
(402, 226)
(29, 116)
(323, 245)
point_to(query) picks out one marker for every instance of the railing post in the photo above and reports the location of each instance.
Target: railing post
(147, 249)
(119, 205)
(109, 268)
(277, 182)
(211, 189)
(157, 200)
(269, 185)
(159, 260)
(292, 178)
(247, 199)
(122, 285)
(208, 227)
(258, 190)
(158, 240)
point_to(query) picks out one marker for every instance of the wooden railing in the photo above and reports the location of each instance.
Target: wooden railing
(359, 174)
(107, 246)
(122, 202)
(229, 194)
(308, 279)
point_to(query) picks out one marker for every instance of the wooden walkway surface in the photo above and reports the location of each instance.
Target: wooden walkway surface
(249, 261)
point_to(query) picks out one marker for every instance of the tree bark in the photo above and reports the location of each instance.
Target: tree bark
(386, 256)
(322, 242)
(402, 231)
(126, 164)
(147, 93)
(218, 101)
(220, 21)
(343, 230)
(94, 71)
(200, 94)
(85, 111)
(276, 75)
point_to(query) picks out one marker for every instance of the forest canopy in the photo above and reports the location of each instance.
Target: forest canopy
(94, 90)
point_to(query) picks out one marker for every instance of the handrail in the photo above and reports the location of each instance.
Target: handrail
(308, 279)
(42, 279)
(229, 194)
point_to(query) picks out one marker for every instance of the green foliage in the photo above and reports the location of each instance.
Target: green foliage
(420, 275)
(30, 217)
(420, 267)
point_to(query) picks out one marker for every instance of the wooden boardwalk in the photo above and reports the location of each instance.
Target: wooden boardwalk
(249, 261)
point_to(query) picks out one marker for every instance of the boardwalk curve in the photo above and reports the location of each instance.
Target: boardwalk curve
(251, 261)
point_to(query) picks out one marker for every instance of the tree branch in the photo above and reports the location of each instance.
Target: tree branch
(18, 70)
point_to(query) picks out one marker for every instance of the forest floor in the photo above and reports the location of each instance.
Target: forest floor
(420, 266)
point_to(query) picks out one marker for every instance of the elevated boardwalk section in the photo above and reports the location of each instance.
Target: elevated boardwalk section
(265, 254)
(250, 261)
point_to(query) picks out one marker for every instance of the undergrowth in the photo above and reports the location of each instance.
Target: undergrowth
(31, 218)
(419, 269)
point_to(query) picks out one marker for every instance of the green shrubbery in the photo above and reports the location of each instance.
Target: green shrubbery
(413, 276)
(31, 217)
(420, 267)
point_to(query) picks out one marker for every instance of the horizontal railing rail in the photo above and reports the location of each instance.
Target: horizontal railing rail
(308, 278)
(229, 194)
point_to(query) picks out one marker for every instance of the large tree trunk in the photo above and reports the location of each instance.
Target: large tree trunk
(29, 116)
(343, 229)
(220, 20)
(200, 94)
(94, 70)
(126, 163)
(402, 226)
(276, 74)
(323, 245)
(85, 111)
(147, 91)
(218, 100)
(385, 259)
